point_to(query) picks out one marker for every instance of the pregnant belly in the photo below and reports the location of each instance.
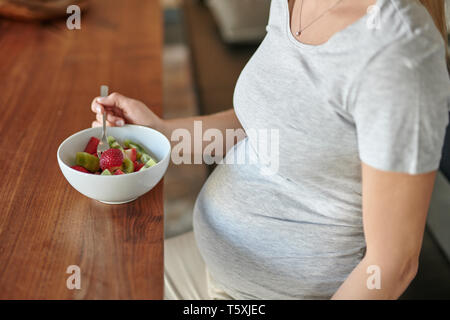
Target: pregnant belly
(259, 241)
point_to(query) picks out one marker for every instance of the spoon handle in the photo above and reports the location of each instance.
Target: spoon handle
(104, 93)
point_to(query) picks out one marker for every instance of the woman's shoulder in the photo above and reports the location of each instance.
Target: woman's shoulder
(407, 55)
(408, 22)
(405, 37)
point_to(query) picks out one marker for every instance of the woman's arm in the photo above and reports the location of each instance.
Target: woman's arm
(122, 110)
(395, 207)
(220, 121)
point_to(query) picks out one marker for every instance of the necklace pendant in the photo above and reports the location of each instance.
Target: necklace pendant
(298, 34)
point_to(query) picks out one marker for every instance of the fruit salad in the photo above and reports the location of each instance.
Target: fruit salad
(118, 159)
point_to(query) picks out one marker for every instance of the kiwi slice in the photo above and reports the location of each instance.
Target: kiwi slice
(106, 172)
(148, 164)
(127, 166)
(111, 140)
(88, 161)
(113, 143)
(116, 145)
(130, 144)
(126, 143)
(145, 158)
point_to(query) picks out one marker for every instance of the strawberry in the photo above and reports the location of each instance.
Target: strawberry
(111, 159)
(131, 154)
(91, 147)
(137, 166)
(80, 168)
(118, 171)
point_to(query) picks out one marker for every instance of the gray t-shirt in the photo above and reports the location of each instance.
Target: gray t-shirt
(377, 95)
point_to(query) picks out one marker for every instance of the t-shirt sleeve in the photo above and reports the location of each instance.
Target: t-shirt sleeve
(400, 109)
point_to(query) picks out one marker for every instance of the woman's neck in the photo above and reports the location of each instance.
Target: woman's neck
(321, 30)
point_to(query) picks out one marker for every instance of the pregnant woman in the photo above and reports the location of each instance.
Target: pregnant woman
(359, 99)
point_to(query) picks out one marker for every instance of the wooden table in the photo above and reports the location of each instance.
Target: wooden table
(48, 77)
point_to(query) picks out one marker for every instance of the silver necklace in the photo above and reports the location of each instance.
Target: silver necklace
(299, 32)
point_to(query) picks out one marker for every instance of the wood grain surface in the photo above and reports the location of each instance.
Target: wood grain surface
(38, 9)
(48, 77)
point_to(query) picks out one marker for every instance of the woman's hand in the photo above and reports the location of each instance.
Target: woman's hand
(121, 110)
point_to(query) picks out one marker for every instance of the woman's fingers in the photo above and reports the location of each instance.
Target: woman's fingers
(113, 120)
(99, 109)
(96, 107)
(113, 100)
(121, 110)
(99, 123)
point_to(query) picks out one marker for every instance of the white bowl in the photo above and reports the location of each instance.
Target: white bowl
(120, 188)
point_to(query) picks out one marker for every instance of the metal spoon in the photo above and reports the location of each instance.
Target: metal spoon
(103, 144)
